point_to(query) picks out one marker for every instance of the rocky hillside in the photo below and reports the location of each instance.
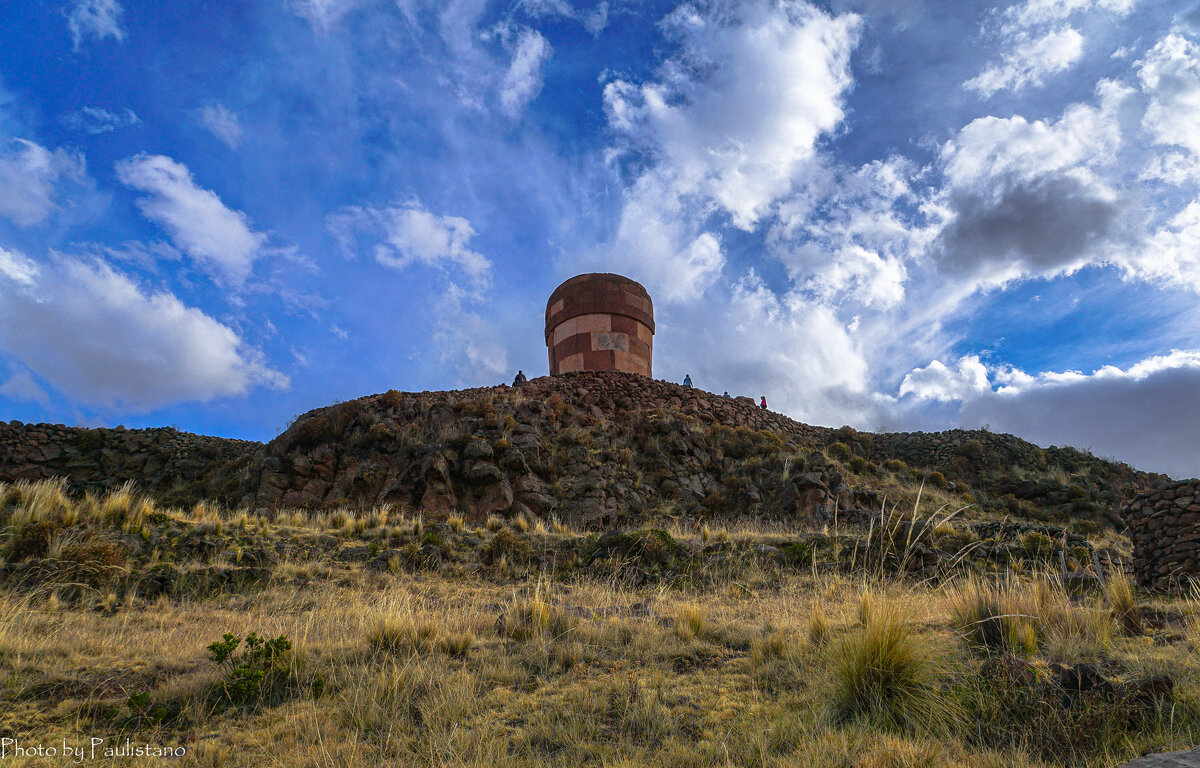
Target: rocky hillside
(594, 449)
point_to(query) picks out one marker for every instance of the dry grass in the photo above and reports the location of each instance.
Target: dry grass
(440, 666)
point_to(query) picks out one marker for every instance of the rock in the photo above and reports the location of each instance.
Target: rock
(1188, 759)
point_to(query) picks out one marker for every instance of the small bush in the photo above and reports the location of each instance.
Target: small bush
(896, 466)
(263, 673)
(840, 451)
(505, 545)
(936, 479)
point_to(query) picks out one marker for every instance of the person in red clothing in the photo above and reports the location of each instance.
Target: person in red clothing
(763, 404)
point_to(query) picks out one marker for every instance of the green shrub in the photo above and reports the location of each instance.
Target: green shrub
(263, 673)
(936, 479)
(896, 466)
(840, 451)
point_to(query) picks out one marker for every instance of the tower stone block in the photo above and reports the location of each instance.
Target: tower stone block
(600, 322)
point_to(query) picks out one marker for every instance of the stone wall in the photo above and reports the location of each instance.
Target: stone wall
(1164, 524)
(94, 459)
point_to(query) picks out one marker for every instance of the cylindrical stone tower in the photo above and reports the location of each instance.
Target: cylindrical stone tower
(600, 322)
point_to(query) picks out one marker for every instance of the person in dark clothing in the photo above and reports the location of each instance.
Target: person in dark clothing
(687, 380)
(763, 404)
(520, 379)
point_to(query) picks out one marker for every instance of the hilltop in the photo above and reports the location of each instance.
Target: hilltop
(595, 449)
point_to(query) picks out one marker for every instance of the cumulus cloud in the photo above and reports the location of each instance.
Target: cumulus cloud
(198, 222)
(101, 339)
(94, 120)
(756, 342)
(29, 175)
(523, 80)
(736, 112)
(406, 233)
(938, 382)
(1024, 198)
(1144, 414)
(1030, 62)
(849, 243)
(222, 123)
(95, 18)
(1170, 76)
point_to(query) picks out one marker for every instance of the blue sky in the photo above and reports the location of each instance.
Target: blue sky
(899, 214)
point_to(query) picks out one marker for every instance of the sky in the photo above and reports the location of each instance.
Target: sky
(893, 214)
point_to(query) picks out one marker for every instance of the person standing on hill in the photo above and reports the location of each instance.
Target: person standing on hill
(687, 380)
(726, 393)
(763, 404)
(520, 379)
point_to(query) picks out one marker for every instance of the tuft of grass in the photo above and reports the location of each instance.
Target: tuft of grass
(494, 523)
(992, 618)
(455, 522)
(402, 633)
(456, 643)
(1119, 594)
(888, 674)
(818, 627)
(689, 622)
(533, 617)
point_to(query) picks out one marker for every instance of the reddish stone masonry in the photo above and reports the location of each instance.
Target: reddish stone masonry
(600, 322)
(1165, 527)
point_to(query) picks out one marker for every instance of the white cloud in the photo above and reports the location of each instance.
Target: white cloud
(938, 382)
(597, 20)
(1030, 62)
(94, 120)
(850, 241)
(21, 387)
(1170, 76)
(735, 114)
(197, 221)
(1026, 198)
(1144, 414)
(1040, 12)
(95, 18)
(469, 345)
(28, 177)
(222, 123)
(752, 341)
(95, 335)
(322, 14)
(523, 80)
(406, 233)
(1172, 252)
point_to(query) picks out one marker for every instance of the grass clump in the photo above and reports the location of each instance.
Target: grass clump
(398, 633)
(689, 622)
(886, 673)
(1119, 594)
(992, 618)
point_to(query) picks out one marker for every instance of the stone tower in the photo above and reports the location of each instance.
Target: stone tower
(600, 322)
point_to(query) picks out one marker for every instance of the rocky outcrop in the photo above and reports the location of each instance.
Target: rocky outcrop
(159, 460)
(1165, 527)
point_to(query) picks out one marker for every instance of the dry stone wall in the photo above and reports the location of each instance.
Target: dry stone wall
(1164, 524)
(157, 460)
